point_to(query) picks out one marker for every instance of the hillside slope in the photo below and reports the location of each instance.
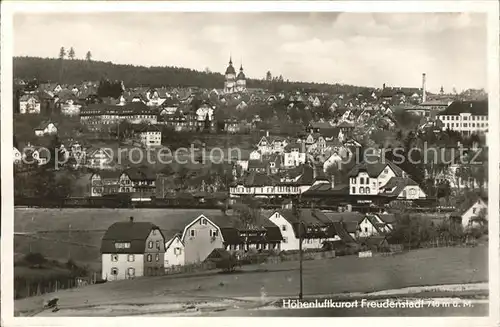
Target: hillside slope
(75, 71)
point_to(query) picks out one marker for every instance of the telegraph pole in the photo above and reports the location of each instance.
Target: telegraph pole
(297, 212)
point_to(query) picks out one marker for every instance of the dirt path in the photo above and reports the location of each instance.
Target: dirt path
(203, 305)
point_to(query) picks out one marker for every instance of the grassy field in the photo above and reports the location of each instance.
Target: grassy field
(332, 276)
(76, 233)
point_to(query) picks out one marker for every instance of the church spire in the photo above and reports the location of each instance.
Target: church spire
(241, 65)
(230, 59)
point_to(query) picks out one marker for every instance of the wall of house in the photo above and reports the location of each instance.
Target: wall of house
(412, 192)
(122, 265)
(175, 253)
(366, 228)
(472, 212)
(155, 250)
(290, 242)
(198, 247)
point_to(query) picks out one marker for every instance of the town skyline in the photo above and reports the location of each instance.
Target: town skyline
(341, 41)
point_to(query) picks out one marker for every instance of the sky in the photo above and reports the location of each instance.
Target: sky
(366, 49)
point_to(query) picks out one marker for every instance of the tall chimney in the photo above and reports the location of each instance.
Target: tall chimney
(424, 96)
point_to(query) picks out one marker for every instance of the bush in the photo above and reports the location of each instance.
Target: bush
(35, 259)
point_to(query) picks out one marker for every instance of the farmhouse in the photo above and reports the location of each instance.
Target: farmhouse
(174, 252)
(131, 249)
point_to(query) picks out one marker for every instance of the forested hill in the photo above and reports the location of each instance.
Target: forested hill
(74, 71)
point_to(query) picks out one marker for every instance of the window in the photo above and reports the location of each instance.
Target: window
(283, 228)
(177, 251)
(131, 258)
(114, 271)
(366, 229)
(285, 239)
(192, 233)
(157, 257)
(367, 190)
(203, 221)
(131, 272)
(158, 245)
(473, 210)
(154, 231)
(149, 258)
(362, 190)
(361, 180)
(150, 244)
(353, 190)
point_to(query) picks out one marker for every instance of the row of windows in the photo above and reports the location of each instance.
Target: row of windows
(467, 125)
(150, 243)
(212, 233)
(362, 190)
(264, 246)
(465, 118)
(275, 189)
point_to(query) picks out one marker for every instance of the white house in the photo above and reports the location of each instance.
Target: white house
(294, 155)
(403, 188)
(315, 228)
(17, 156)
(174, 252)
(467, 214)
(466, 117)
(131, 249)
(46, 128)
(372, 225)
(371, 175)
(29, 104)
(150, 136)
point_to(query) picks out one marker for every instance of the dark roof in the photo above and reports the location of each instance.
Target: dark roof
(345, 216)
(374, 165)
(230, 69)
(257, 179)
(138, 174)
(326, 189)
(134, 232)
(387, 218)
(343, 233)
(472, 107)
(399, 183)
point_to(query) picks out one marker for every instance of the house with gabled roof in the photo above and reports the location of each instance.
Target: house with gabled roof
(294, 155)
(174, 252)
(369, 176)
(140, 181)
(403, 188)
(29, 104)
(132, 249)
(314, 228)
(104, 182)
(468, 212)
(46, 128)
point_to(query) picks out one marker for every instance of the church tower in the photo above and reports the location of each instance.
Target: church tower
(241, 81)
(230, 78)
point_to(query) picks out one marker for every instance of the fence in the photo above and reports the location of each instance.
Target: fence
(305, 256)
(191, 268)
(26, 287)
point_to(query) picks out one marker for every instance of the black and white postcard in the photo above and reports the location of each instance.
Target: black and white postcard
(312, 159)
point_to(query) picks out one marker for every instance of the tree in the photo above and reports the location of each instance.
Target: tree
(88, 56)
(62, 53)
(269, 77)
(71, 53)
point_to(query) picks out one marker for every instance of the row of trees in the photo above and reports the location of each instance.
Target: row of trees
(71, 54)
(133, 76)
